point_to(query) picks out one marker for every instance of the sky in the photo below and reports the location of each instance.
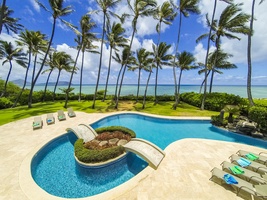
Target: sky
(35, 18)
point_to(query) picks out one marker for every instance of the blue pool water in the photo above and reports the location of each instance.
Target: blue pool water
(54, 168)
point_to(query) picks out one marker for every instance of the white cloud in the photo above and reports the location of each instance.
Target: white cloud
(35, 5)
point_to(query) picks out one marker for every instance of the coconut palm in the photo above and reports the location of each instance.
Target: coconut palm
(60, 61)
(208, 48)
(36, 43)
(142, 61)
(125, 61)
(150, 69)
(105, 6)
(164, 14)
(185, 8)
(9, 53)
(57, 12)
(10, 23)
(250, 99)
(231, 20)
(116, 39)
(185, 61)
(161, 58)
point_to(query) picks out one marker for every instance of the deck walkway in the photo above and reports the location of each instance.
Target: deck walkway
(147, 150)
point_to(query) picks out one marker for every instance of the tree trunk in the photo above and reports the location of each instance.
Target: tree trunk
(122, 76)
(54, 93)
(117, 83)
(179, 84)
(156, 85)
(100, 60)
(47, 80)
(206, 59)
(204, 82)
(106, 87)
(144, 100)
(42, 65)
(81, 78)
(250, 99)
(138, 86)
(25, 81)
(9, 72)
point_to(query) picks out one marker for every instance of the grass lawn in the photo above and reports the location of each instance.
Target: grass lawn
(162, 108)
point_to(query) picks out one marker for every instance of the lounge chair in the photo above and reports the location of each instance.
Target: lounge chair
(241, 185)
(257, 167)
(71, 113)
(245, 174)
(255, 157)
(37, 123)
(50, 119)
(61, 115)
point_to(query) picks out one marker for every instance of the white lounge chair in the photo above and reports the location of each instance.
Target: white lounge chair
(61, 115)
(37, 123)
(71, 113)
(241, 186)
(50, 119)
(260, 158)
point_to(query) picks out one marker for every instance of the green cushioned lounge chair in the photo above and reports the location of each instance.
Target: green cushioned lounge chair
(71, 113)
(61, 115)
(37, 123)
(260, 158)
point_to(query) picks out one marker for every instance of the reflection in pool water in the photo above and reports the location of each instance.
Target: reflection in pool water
(54, 168)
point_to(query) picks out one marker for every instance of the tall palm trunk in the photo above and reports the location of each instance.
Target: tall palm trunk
(127, 58)
(156, 80)
(206, 59)
(47, 80)
(81, 78)
(144, 100)
(42, 65)
(179, 84)
(71, 76)
(109, 64)
(203, 82)
(138, 85)
(54, 93)
(251, 103)
(214, 64)
(174, 69)
(25, 81)
(9, 72)
(100, 60)
(117, 83)
(119, 92)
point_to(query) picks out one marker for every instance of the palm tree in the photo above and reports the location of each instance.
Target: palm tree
(250, 99)
(10, 24)
(9, 53)
(36, 43)
(208, 48)
(142, 62)
(185, 61)
(185, 8)
(105, 6)
(150, 69)
(116, 39)
(232, 20)
(161, 58)
(61, 61)
(58, 11)
(164, 14)
(49, 70)
(125, 60)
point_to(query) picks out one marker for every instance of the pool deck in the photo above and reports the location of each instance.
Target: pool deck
(183, 174)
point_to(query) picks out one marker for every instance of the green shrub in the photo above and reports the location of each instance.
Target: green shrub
(217, 121)
(116, 128)
(259, 115)
(5, 103)
(94, 156)
(214, 101)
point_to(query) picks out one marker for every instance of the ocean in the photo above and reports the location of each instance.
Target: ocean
(258, 91)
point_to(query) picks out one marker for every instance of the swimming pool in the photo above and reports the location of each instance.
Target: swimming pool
(55, 170)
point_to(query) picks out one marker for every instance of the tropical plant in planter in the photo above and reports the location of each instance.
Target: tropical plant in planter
(105, 146)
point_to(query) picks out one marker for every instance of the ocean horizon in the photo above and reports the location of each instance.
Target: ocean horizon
(258, 91)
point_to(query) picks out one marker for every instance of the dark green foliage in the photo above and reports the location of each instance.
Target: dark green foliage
(5, 103)
(215, 101)
(93, 156)
(116, 128)
(217, 121)
(259, 115)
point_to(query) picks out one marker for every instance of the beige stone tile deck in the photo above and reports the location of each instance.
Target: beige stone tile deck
(183, 174)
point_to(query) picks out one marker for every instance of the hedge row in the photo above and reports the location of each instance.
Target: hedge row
(116, 128)
(94, 156)
(214, 101)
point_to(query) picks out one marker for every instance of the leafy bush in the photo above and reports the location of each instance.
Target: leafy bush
(259, 115)
(116, 128)
(217, 121)
(5, 103)
(93, 156)
(214, 101)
